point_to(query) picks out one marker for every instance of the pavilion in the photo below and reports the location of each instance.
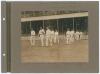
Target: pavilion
(61, 22)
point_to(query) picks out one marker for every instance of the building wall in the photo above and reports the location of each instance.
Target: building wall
(76, 24)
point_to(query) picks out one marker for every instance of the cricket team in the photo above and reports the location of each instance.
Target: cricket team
(50, 37)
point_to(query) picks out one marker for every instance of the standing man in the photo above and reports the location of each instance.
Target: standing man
(42, 34)
(52, 37)
(72, 36)
(81, 35)
(32, 38)
(56, 38)
(68, 35)
(77, 35)
(48, 37)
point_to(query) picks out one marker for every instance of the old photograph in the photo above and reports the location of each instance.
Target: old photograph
(54, 36)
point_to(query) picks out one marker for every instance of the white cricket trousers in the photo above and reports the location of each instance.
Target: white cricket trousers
(32, 40)
(56, 39)
(48, 40)
(77, 37)
(42, 40)
(71, 39)
(67, 40)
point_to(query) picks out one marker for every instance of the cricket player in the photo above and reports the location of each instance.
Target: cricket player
(42, 35)
(56, 37)
(72, 36)
(81, 35)
(77, 35)
(48, 37)
(32, 38)
(68, 35)
(52, 37)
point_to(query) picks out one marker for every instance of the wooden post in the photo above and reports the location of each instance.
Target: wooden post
(43, 20)
(73, 24)
(30, 25)
(43, 24)
(57, 25)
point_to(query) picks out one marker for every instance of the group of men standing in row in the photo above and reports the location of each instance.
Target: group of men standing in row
(49, 37)
(71, 36)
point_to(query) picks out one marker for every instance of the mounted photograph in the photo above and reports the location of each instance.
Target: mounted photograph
(54, 36)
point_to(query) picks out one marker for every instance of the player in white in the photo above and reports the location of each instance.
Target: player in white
(68, 35)
(77, 35)
(42, 35)
(52, 37)
(32, 38)
(72, 36)
(56, 37)
(48, 37)
(81, 35)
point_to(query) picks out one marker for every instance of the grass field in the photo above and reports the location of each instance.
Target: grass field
(76, 52)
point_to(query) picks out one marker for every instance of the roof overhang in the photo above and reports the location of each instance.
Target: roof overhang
(72, 15)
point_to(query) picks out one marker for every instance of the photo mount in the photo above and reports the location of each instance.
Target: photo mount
(14, 60)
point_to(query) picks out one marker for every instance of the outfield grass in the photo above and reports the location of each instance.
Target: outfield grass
(76, 52)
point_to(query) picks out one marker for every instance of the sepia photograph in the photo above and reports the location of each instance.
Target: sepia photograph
(54, 36)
